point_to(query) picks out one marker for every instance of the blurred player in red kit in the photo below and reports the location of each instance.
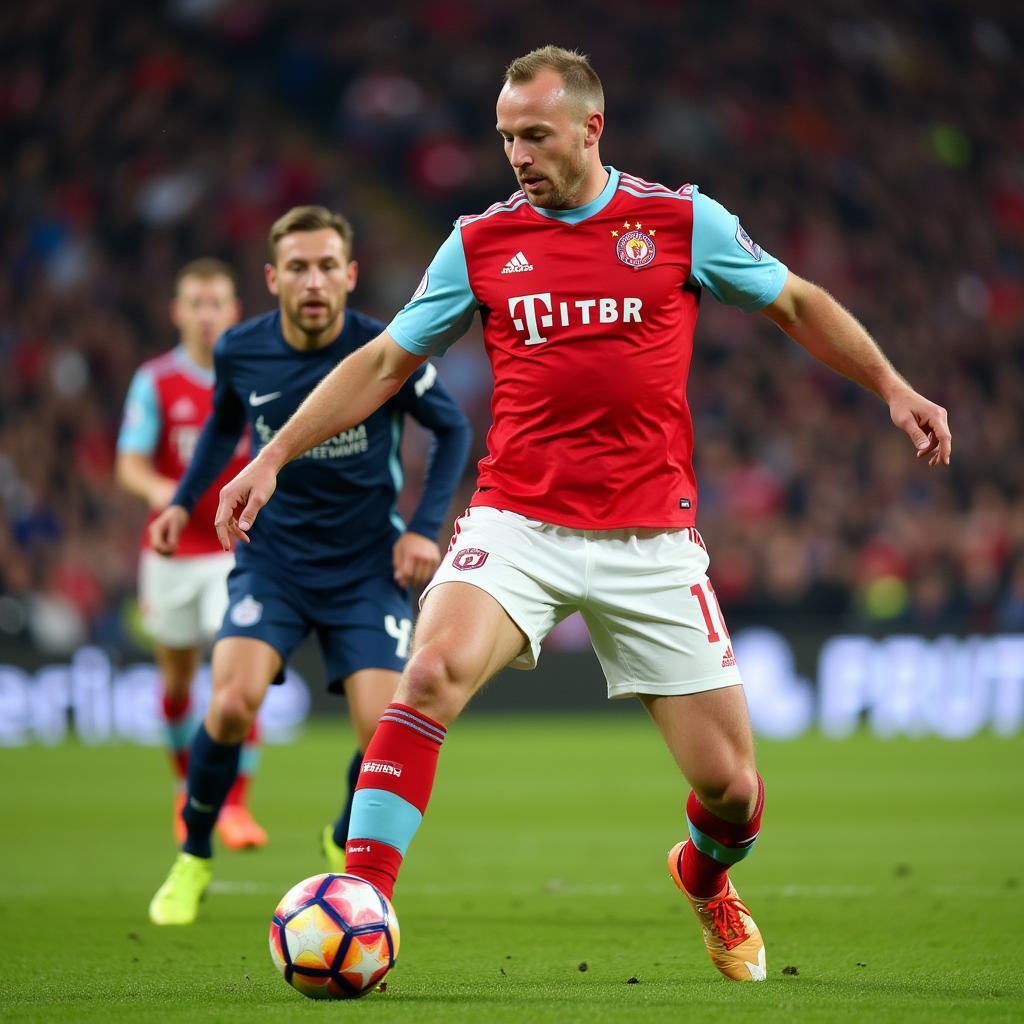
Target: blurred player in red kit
(184, 598)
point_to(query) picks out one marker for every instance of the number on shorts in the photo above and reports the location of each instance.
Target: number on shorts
(400, 630)
(698, 592)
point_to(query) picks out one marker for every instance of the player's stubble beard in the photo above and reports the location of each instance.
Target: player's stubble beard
(316, 331)
(565, 189)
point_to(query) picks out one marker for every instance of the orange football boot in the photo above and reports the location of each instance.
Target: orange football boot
(238, 829)
(732, 939)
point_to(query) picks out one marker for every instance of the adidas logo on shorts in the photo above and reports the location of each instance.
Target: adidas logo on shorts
(519, 264)
(728, 659)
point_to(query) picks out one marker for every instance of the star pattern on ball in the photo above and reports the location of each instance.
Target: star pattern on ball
(358, 904)
(305, 934)
(363, 961)
(298, 894)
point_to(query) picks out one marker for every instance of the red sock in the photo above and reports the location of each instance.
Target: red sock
(703, 874)
(247, 759)
(177, 712)
(401, 761)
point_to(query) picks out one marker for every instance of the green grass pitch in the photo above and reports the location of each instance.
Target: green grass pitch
(889, 875)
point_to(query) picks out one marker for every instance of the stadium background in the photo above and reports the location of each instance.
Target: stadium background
(874, 148)
(878, 148)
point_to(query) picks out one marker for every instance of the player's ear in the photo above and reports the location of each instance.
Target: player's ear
(353, 275)
(593, 128)
(270, 275)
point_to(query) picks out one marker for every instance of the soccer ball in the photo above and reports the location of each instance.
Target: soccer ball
(334, 936)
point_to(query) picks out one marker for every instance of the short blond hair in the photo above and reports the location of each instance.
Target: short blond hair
(205, 268)
(309, 218)
(581, 81)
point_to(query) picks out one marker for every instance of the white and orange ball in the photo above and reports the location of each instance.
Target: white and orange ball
(334, 936)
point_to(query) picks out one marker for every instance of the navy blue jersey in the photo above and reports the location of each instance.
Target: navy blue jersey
(333, 515)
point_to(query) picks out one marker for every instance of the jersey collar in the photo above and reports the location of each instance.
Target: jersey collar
(192, 369)
(581, 213)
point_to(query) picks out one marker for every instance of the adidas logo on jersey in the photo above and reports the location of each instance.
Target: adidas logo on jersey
(728, 659)
(519, 264)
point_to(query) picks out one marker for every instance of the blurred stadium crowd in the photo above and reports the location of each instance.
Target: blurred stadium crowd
(880, 154)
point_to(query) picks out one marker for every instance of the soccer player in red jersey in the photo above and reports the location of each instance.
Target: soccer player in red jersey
(184, 599)
(587, 281)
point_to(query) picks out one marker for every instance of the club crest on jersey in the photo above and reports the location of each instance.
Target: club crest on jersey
(635, 248)
(469, 558)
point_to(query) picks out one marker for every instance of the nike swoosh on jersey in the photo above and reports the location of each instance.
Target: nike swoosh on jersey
(255, 399)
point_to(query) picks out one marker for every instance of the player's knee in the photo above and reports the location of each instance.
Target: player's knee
(231, 715)
(435, 683)
(733, 795)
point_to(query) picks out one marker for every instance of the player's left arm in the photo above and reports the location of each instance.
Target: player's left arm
(424, 397)
(830, 333)
(738, 272)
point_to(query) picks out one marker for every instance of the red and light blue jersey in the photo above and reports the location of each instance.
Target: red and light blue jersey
(168, 402)
(588, 318)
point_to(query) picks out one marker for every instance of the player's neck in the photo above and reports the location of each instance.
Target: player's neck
(593, 184)
(201, 355)
(310, 341)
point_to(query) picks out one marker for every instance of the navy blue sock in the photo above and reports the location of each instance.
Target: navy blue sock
(341, 825)
(212, 768)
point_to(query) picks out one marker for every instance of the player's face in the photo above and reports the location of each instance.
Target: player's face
(312, 278)
(546, 137)
(202, 310)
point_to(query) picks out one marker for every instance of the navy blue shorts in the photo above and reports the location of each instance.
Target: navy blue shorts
(366, 624)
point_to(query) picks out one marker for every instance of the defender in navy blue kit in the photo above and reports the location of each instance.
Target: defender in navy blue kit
(334, 558)
(326, 561)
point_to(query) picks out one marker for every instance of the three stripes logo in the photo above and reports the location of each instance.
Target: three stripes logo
(519, 264)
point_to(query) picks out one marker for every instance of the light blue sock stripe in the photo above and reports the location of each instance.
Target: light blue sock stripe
(179, 734)
(715, 850)
(249, 759)
(386, 817)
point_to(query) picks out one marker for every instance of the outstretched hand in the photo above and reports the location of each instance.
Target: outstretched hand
(249, 491)
(924, 423)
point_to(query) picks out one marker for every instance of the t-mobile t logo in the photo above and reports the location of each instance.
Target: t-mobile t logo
(539, 312)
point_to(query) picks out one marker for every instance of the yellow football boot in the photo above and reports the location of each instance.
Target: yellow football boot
(333, 853)
(177, 900)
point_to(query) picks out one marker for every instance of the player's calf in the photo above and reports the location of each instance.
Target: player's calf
(395, 781)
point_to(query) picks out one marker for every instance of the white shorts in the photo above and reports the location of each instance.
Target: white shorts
(644, 594)
(183, 600)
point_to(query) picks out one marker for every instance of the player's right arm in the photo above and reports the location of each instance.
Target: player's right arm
(137, 441)
(439, 312)
(355, 388)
